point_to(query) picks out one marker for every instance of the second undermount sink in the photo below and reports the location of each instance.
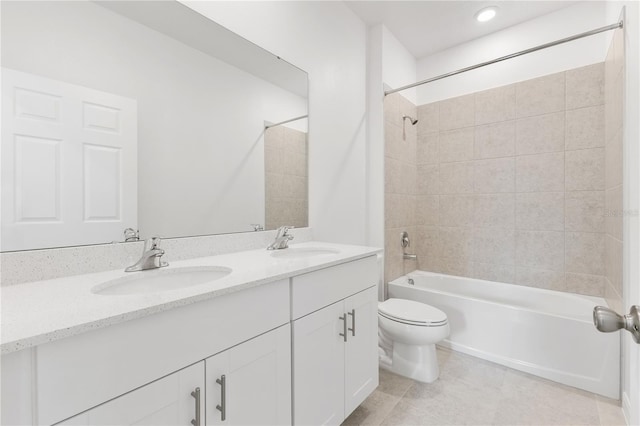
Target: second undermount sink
(302, 252)
(157, 280)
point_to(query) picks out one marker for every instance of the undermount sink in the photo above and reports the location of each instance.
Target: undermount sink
(157, 280)
(302, 252)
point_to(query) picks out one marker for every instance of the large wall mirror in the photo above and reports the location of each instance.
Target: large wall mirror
(125, 119)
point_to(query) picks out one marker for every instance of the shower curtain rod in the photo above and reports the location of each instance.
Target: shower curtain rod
(266, 126)
(513, 55)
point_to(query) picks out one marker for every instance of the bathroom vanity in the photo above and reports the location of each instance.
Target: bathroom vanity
(285, 338)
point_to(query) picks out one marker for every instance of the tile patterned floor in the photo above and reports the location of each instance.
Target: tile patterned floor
(471, 391)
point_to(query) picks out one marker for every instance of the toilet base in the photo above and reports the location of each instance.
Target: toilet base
(415, 362)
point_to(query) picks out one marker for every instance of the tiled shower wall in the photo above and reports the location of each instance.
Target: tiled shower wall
(400, 184)
(613, 106)
(509, 184)
(286, 178)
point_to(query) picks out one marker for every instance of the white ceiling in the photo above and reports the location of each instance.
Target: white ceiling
(427, 27)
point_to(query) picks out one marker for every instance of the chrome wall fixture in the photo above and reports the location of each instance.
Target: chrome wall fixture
(511, 56)
(266, 126)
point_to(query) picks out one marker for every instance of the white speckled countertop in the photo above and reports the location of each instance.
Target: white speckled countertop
(43, 311)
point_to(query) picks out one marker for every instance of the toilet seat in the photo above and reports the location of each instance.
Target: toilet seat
(412, 313)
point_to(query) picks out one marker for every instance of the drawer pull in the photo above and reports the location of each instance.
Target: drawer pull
(196, 395)
(353, 322)
(344, 326)
(222, 381)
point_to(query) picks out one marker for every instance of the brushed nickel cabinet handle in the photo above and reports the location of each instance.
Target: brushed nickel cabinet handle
(222, 381)
(196, 395)
(344, 326)
(353, 322)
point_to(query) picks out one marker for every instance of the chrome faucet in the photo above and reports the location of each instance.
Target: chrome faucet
(282, 239)
(151, 257)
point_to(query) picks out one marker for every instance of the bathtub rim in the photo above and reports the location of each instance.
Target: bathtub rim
(401, 281)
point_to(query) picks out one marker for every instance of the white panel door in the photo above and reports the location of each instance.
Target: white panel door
(361, 350)
(318, 367)
(69, 163)
(256, 376)
(165, 402)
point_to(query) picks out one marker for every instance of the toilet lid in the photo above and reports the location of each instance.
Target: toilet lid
(410, 312)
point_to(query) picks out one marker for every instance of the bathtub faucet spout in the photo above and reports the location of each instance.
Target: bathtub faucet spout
(406, 256)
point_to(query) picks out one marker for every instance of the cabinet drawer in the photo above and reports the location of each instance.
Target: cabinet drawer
(80, 372)
(315, 290)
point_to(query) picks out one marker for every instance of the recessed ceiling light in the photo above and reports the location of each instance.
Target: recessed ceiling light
(486, 14)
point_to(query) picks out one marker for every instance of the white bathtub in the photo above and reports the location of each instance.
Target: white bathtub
(542, 332)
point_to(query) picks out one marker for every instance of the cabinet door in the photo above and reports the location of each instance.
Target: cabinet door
(318, 367)
(361, 350)
(167, 401)
(256, 377)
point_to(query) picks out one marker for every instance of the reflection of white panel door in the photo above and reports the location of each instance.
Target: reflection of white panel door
(69, 163)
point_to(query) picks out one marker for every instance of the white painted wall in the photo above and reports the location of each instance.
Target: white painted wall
(329, 42)
(201, 157)
(565, 22)
(399, 67)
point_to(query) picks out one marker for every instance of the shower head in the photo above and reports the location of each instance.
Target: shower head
(411, 119)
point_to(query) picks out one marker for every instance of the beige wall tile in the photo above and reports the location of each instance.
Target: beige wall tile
(584, 253)
(495, 140)
(393, 170)
(495, 105)
(456, 145)
(540, 211)
(613, 212)
(427, 179)
(456, 243)
(456, 178)
(392, 138)
(584, 170)
(274, 186)
(494, 175)
(427, 243)
(540, 250)
(496, 273)
(585, 128)
(613, 263)
(392, 109)
(456, 113)
(427, 210)
(585, 86)
(584, 211)
(541, 278)
(428, 118)
(494, 211)
(539, 134)
(456, 266)
(590, 285)
(540, 95)
(297, 164)
(493, 245)
(456, 210)
(540, 173)
(400, 210)
(613, 161)
(427, 148)
(614, 102)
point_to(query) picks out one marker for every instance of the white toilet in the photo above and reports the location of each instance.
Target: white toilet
(408, 332)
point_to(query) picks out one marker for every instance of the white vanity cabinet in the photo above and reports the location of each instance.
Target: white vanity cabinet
(171, 400)
(301, 350)
(335, 365)
(250, 384)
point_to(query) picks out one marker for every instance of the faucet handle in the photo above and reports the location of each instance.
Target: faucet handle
(282, 231)
(152, 243)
